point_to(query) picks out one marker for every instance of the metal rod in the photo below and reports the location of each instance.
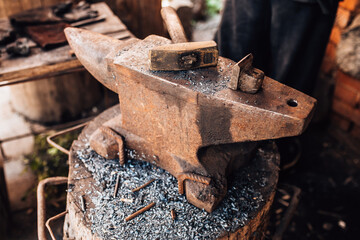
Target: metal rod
(193, 177)
(52, 143)
(47, 224)
(41, 205)
(116, 185)
(142, 186)
(140, 211)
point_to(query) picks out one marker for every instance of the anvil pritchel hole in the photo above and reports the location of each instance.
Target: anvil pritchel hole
(292, 103)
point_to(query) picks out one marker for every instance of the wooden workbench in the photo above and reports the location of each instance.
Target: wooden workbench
(44, 64)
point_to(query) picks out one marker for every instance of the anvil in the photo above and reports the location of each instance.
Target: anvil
(189, 122)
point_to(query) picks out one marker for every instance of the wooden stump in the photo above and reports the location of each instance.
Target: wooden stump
(84, 188)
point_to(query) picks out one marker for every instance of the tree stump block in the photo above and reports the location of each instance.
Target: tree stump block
(95, 213)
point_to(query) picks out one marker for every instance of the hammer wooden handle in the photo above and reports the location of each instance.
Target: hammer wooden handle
(173, 25)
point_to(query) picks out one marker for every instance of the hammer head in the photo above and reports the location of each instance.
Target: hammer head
(189, 122)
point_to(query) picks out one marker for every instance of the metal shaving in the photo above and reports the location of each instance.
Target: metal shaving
(201, 80)
(107, 217)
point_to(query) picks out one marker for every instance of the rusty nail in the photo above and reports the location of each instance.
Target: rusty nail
(191, 176)
(116, 185)
(126, 200)
(121, 152)
(142, 186)
(139, 211)
(82, 203)
(173, 214)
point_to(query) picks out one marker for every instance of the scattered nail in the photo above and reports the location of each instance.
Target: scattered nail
(142, 186)
(139, 211)
(116, 185)
(82, 203)
(173, 214)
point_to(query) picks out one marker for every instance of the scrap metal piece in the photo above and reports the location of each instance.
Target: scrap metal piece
(79, 12)
(173, 214)
(180, 118)
(108, 143)
(116, 185)
(193, 177)
(52, 35)
(19, 48)
(245, 77)
(184, 56)
(48, 35)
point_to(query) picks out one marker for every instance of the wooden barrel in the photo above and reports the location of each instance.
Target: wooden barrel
(55, 99)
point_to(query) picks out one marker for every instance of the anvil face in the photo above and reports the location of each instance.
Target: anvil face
(189, 122)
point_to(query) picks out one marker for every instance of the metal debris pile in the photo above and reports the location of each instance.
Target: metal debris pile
(109, 213)
(203, 80)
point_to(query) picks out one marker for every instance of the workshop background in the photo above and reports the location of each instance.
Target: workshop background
(325, 167)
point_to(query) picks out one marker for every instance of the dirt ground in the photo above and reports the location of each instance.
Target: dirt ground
(328, 174)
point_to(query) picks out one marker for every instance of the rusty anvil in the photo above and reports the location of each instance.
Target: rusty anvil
(186, 122)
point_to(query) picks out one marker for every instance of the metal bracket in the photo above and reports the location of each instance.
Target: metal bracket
(41, 204)
(57, 146)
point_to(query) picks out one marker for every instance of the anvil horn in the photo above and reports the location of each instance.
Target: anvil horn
(91, 49)
(189, 122)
